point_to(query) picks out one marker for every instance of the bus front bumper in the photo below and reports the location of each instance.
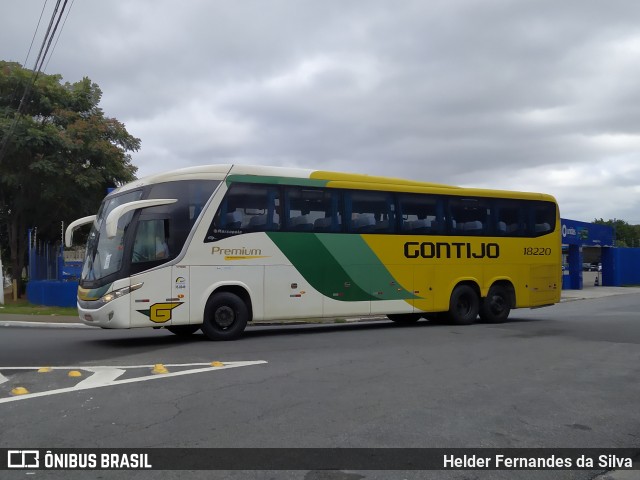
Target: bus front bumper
(111, 315)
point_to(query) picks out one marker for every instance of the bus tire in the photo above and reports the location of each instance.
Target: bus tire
(404, 318)
(184, 330)
(225, 316)
(496, 306)
(464, 305)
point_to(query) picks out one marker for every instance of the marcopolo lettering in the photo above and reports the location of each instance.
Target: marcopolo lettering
(451, 250)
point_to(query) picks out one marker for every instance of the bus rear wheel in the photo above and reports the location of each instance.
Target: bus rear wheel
(404, 318)
(497, 306)
(225, 316)
(184, 330)
(464, 305)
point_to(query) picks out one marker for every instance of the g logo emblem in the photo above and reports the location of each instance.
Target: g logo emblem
(160, 312)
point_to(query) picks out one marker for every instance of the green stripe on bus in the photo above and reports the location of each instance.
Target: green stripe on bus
(342, 267)
(364, 266)
(318, 266)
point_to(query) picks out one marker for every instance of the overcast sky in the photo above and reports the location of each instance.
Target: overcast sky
(523, 95)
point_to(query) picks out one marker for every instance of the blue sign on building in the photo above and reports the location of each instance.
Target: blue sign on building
(586, 234)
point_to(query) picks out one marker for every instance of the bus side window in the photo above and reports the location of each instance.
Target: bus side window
(260, 205)
(420, 214)
(469, 216)
(544, 218)
(308, 209)
(524, 218)
(246, 208)
(508, 217)
(370, 212)
(303, 206)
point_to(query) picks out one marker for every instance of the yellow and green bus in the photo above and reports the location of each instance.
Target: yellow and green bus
(216, 247)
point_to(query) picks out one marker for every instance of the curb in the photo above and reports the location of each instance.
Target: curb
(27, 324)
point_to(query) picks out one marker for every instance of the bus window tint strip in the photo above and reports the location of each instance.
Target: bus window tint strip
(251, 207)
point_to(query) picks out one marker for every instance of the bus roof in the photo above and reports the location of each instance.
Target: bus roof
(290, 175)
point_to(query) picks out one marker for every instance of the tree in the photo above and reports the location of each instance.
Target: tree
(626, 235)
(60, 155)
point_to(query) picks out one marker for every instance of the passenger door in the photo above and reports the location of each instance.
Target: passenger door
(153, 303)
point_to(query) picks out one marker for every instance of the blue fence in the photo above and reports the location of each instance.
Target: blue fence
(53, 280)
(624, 266)
(52, 293)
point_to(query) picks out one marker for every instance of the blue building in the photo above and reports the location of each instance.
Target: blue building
(620, 266)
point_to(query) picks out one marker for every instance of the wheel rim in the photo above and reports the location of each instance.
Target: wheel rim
(464, 306)
(497, 305)
(224, 317)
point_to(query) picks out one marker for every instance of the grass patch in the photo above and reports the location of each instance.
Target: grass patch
(23, 307)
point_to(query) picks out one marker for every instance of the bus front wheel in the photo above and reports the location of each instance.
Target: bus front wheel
(496, 307)
(225, 316)
(464, 305)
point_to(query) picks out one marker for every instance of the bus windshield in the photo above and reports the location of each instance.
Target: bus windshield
(104, 255)
(147, 235)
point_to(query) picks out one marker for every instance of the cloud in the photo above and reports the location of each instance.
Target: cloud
(537, 96)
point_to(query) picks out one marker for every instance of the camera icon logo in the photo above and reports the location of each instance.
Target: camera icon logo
(23, 459)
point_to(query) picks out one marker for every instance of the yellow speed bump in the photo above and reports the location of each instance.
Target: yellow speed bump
(19, 391)
(45, 370)
(217, 364)
(159, 369)
(74, 373)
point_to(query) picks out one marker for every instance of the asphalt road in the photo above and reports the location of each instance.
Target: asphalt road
(563, 376)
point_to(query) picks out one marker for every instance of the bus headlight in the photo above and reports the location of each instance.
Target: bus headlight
(121, 292)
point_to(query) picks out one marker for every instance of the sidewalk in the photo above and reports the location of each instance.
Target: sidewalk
(589, 290)
(597, 292)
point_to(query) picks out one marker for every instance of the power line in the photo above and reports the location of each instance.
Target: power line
(52, 35)
(44, 49)
(46, 40)
(14, 95)
(33, 39)
(59, 34)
